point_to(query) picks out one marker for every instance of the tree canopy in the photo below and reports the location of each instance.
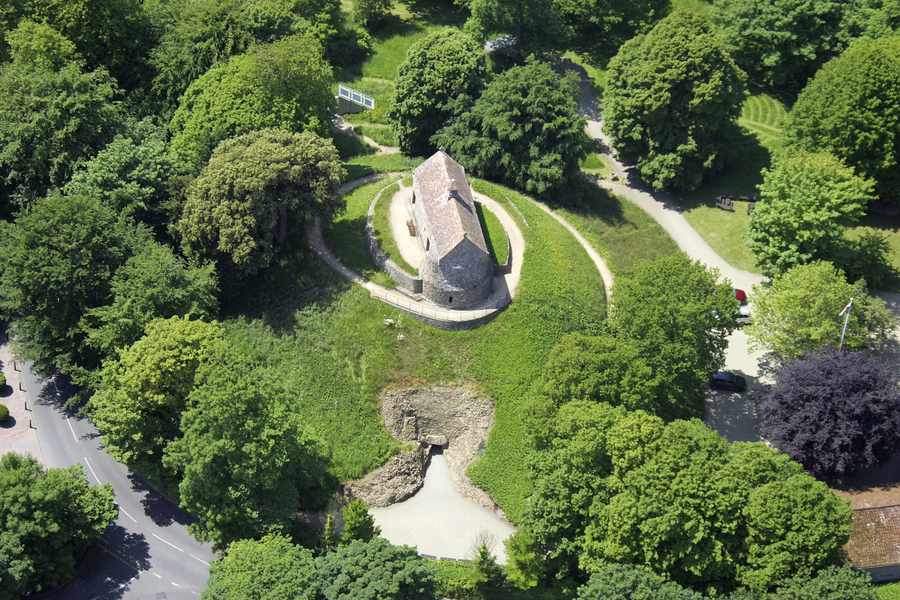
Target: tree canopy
(49, 517)
(286, 84)
(535, 25)
(800, 313)
(524, 130)
(782, 43)
(677, 317)
(671, 100)
(271, 568)
(53, 113)
(851, 108)
(247, 462)
(442, 74)
(59, 260)
(375, 570)
(806, 203)
(625, 582)
(836, 413)
(143, 391)
(600, 27)
(255, 189)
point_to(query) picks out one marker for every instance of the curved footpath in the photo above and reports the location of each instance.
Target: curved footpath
(148, 552)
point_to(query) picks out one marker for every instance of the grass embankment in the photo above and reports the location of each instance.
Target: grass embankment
(381, 223)
(494, 234)
(888, 591)
(329, 340)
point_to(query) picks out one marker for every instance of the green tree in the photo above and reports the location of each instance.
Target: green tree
(442, 73)
(600, 368)
(59, 260)
(851, 108)
(375, 570)
(53, 113)
(782, 43)
(133, 174)
(682, 67)
(49, 518)
(600, 27)
(625, 582)
(371, 12)
(143, 391)
(358, 523)
(799, 313)
(271, 568)
(806, 203)
(108, 33)
(525, 565)
(832, 583)
(794, 527)
(678, 317)
(535, 25)
(154, 283)
(286, 84)
(498, 138)
(248, 464)
(202, 33)
(255, 187)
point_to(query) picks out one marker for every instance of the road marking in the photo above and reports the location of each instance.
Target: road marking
(167, 543)
(157, 575)
(200, 559)
(175, 584)
(133, 520)
(72, 429)
(92, 470)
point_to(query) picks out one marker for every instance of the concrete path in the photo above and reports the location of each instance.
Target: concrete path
(17, 433)
(439, 521)
(408, 245)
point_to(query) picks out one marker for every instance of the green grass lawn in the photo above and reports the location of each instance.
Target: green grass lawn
(622, 233)
(888, 591)
(382, 225)
(596, 164)
(494, 234)
(329, 340)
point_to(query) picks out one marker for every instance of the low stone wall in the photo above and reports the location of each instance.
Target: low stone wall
(401, 278)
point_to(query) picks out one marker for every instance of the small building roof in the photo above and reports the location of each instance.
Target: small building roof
(441, 186)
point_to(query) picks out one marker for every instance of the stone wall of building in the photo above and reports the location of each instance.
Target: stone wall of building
(463, 279)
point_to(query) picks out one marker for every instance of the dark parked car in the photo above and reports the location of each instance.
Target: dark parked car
(729, 382)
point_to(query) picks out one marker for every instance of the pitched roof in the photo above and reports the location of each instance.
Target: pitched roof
(441, 186)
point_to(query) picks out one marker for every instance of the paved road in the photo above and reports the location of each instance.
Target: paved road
(148, 552)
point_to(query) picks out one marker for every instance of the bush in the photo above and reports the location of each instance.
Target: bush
(834, 412)
(4, 413)
(2, 380)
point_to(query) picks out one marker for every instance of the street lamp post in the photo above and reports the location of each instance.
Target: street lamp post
(845, 312)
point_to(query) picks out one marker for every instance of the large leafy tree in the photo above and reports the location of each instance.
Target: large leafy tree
(255, 189)
(600, 27)
(831, 583)
(271, 568)
(677, 317)
(625, 582)
(799, 313)
(375, 570)
(782, 43)
(834, 412)
(851, 108)
(133, 174)
(535, 25)
(143, 391)
(600, 368)
(671, 99)
(247, 463)
(59, 260)
(154, 283)
(524, 130)
(286, 84)
(806, 203)
(53, 113)
(48, 519)
(108, 33)
(441, 72)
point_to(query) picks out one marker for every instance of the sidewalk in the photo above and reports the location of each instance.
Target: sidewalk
(16, 434)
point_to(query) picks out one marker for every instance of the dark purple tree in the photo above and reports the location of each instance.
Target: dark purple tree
(834, 412)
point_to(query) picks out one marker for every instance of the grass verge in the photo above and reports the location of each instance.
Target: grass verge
(383, 232)
(888, 591)
(494, 234)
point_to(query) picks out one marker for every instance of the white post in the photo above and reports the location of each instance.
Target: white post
(846, 313)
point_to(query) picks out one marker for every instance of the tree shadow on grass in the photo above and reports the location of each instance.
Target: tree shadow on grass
(438, 12)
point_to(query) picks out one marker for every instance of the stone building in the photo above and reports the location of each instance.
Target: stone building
(458, 269)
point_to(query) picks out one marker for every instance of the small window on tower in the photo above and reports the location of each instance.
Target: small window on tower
(427, 245)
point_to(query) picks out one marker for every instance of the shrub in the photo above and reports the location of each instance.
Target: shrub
(4, 412)
(2, 380)
(834, 412)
